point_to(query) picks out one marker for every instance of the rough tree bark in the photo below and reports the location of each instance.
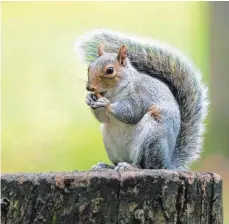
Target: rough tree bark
(108, 196)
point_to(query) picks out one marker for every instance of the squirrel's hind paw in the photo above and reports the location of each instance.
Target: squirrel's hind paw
(100, 166)
(125, 166)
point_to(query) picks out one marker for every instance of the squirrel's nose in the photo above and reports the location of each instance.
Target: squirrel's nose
(89, 88)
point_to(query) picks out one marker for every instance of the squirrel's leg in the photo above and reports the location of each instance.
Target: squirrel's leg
(153, 143)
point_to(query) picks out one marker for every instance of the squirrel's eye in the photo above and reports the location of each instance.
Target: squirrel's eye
(109, 70)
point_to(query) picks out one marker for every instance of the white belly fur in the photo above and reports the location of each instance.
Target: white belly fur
(117, 137)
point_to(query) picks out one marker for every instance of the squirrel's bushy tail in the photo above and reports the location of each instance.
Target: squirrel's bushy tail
(170, 66)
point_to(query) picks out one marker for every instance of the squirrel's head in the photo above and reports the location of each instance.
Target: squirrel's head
(105, 72)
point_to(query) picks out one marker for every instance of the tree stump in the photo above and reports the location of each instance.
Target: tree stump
(108, 196)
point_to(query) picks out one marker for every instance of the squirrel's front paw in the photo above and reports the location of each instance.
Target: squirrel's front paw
(101, 103)
(91, 99)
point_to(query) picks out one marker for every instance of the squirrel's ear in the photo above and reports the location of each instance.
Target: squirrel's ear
(122, 54)
(101, 50)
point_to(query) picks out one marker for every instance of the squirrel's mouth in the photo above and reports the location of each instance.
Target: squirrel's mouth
(100, 94)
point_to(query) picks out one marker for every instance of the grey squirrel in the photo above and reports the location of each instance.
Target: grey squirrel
(149, 98)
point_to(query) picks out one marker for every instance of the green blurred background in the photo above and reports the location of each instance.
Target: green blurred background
(46, 125)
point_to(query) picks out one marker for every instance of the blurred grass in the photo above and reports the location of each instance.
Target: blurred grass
(46, 124)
